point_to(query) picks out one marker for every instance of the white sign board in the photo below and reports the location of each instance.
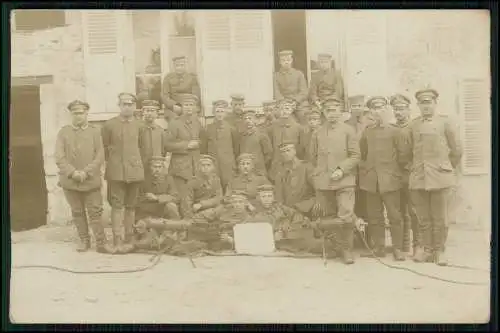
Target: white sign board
(254, 238)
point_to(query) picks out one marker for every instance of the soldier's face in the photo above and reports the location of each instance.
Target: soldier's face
(301, 114)
(286, 111)
(245, 166)
(180, 66)
(156, 169)
(333, 114)
(219, 112)
(427, 107)
(249, 120)
(356, 110)
(286, 62)
(206, 167)
(276, 112)
(150, 114)
(401, 112)
(79, 116)
(266, 198)
(288, 153)
(127, 109)
(324, 64)
(238, 203)
(260, 118)
(237, 106)
(188, 108)
(314, 122)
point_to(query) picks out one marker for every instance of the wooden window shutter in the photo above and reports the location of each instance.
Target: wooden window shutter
(104, 59)
(474, 103)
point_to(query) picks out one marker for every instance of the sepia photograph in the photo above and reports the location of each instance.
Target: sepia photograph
(250, 166)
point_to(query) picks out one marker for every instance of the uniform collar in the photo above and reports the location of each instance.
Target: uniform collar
(84, 127)
(150, 125)
(126, 120)
(286, 70)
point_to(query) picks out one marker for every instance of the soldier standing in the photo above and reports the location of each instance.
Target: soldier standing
(177, 83)
(221, 142)
(235, 118)
(289, 83)
(400, 105)
(381, 148)
(326, 82)
(184, 137)
(152, 136)
(434, 151)
(79, 155)
(285, 129)
(335, 155)
(256, 142)
(124, 169)
(314, 123)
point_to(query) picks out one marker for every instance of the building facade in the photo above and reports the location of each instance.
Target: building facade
(58, 56)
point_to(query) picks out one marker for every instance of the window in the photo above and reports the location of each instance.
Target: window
(30, 20)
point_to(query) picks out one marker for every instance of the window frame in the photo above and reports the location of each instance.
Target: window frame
(14, 21)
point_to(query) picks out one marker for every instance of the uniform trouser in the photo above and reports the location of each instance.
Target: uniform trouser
(122, 197)
(410, 220)
(375, 202)
(87, 206)
(431, 209)
(339, 205)
(167, 210)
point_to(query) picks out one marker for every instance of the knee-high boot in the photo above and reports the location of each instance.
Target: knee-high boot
(128, 223)
(117, 227)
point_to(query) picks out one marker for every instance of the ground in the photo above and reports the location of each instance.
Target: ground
(242, 289)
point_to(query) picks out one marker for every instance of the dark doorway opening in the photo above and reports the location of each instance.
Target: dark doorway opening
(28, 190)
(289, 33)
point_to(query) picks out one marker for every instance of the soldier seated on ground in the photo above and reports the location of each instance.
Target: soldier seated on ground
(158, 196)
(153, 234)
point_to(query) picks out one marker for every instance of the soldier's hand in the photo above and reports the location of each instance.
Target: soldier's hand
(318, 104)
(193, 144)
(318, 209)
(250, 207)
(78, 176)
(337, 174)
(162, 198)
(196, 207)
(151, 196)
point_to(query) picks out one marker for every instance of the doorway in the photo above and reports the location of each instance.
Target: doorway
(289, 33)
(28, 190)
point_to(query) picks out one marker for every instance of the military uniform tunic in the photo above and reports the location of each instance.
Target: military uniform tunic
(153, 143)
(257, 143)
(290, 84)
(163, 185)
(206, 191)
(324, 84)
(174, 85)
(247, 183)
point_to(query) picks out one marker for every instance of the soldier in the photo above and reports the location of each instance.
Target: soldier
(235, 118)
(335, 178)
(285, 129)
(79, 155)
(158, 195)
(381, 148)
(256, 142)
(294, 183)
(124, 169)
(400, 105)
(221, 142)
(152, 136)
(184, 137)
(204, 191)
(289, 83)
(326, 82)
(434, 151)
(314, 119)
(177, 83)
(246, 179)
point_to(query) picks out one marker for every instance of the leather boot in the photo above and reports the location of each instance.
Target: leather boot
(116, 225)
(80, 222)
(406, 235)
(347, 244)
(83, 245)
(398, 255)
(422, 255)
(441, 258)
(128, 222)
(397, 240)
(101, 243)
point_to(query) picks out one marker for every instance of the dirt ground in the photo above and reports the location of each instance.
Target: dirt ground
(242, 289)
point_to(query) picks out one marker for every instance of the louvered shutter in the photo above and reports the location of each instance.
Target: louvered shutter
(474, 101)
(104, 59)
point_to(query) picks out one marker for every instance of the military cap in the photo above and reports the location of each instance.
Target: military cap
(156, 159)
(426, 94)
(399, 99)
(245, 156)
(324, 56)
(186, 98)
(127, 98)
(286, 144)
(287, 102)
(314, 113)
(269, 103)
(77, 103)
(150, 103)
(239, 194)
(176, 58)
(265, 188)
(237, 97)
(249, 111)
(356, 100)
(375, 101)
(285, 53)
(332, 101)
(207, 157)
(260, 112)
(220, 103)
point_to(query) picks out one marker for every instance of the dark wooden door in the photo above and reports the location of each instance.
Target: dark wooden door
(28, 190)
(289, 33)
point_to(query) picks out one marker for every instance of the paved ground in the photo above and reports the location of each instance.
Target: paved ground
(242, 289)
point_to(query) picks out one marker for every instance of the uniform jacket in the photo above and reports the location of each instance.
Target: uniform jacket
(332, 148)
(220, 143)
(434, 151)
(79, 149)
(247, 183)
(405, 132)
(163, 185)
(285, 130)
(184, 162)
(307, 135)
(326, 83)
(290, 84)
(381, 150)
(176, 84)
(204, 191)
(257, 143)
(294, 186)
(278, 215)
(122, 148)
(152, 142)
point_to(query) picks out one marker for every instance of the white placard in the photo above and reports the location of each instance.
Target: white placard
(254, 238)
